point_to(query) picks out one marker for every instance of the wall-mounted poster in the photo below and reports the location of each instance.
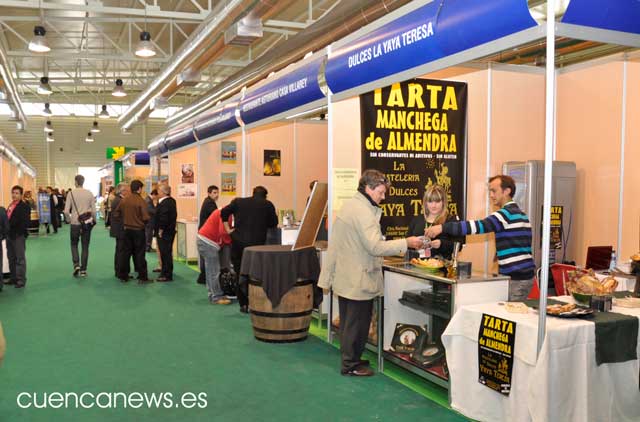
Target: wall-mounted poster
(228, 183)
(415, 133)
(228, 152)
(187, 190)
(272, 162)
(188, 175)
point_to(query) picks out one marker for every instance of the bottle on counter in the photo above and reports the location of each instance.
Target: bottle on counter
(614, 261)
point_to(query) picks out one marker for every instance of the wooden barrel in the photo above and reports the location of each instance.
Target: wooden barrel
(286, 323)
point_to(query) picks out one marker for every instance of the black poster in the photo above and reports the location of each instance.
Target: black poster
(556, 236)
(415, 133)
(496, 342)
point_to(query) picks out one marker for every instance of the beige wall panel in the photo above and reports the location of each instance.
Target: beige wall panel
(588, 133)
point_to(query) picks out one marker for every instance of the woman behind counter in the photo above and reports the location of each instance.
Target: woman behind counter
(435, 211)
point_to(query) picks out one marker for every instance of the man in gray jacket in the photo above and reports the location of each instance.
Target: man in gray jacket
(353, 268)
(79, 201)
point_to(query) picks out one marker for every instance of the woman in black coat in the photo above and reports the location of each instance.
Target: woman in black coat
(435, 211)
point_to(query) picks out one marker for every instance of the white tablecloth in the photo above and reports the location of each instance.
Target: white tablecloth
(565, 384)
(625, 284)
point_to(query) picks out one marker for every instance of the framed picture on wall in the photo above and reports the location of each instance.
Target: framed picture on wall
(228, 183)
(228, 152)
(187, 190)
(188, 175)
(272, 163)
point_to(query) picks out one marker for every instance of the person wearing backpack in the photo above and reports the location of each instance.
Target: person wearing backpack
(80, 209)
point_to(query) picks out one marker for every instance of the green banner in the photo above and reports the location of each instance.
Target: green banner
(114, 153)
(118, 173)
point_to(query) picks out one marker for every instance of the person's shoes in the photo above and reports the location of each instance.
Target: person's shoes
(76, 270)
(231, 297)
(83, 273)
(123, 280)
(220, 301)
(19, 285)
(244, 309)
(157, 270)
(163, 279)
(199, 281)
(144, 281)
(361, 371)
(10, 282)
(365, 362)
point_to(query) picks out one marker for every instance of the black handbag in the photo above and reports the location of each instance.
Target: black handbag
(228, 282)
(85, 219)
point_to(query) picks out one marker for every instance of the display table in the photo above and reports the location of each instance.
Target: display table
(565, 384)
(281, 290)
(186, 240)
(626, 282)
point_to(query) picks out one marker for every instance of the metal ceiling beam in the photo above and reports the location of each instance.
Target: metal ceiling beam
(57, 55)
(154, 12)
(96, 19)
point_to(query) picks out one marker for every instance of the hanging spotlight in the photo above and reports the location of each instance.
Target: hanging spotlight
(47, 110)
(104, 114)
(50, 137)
(145, 47)
(39, 43)
(44, 88)
(89, 138)
(48, 127)
(118, 91)
(95, 128)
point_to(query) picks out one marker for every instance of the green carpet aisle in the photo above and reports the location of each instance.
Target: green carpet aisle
(98, 335)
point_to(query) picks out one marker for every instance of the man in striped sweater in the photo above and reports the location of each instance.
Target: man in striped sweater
(513, 236)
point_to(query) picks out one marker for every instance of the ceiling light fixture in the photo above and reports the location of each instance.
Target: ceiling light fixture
(145, 47)
(39, 43)
(48, 127)
(89, 138)
(95, 128)
(46, 111)
(50, 137)
(44, 88)
(118, 90)
(104, 114)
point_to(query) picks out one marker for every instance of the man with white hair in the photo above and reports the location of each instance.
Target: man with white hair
(165, 230)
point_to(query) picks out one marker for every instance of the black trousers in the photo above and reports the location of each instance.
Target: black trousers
(119, 257)
(148, 233)
(165, 245)
(355, 319)
(134, 246)
(242, 289)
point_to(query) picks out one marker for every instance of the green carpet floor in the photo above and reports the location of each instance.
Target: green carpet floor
(97, 335)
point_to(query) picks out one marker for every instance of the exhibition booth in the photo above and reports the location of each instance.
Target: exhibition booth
(425, 103)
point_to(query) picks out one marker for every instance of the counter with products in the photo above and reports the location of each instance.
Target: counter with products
(416, 308)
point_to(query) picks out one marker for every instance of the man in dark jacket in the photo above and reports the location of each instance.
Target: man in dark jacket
(133, 211)
(116, 226)
(4, 230)
(252, 218)
(166, 215)
(209, 205)
(19, 214)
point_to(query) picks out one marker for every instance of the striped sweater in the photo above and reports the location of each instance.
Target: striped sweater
(513, 239)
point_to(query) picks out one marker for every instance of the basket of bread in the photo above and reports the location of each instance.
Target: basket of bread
(583, 284)
(431, 264)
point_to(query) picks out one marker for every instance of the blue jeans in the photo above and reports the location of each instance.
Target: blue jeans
(212, 257)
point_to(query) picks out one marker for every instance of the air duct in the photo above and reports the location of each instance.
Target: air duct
(342, 20)
(203, 47)
(202, 38)
(9, 86)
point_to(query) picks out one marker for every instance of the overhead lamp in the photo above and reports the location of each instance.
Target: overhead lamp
(118, 90)
(46, 111)
(104, 114)
(145, 47)
(48, 127)
(95, 128)
(38, 43)
(50, 137)
(44, 88)
(89, 138)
